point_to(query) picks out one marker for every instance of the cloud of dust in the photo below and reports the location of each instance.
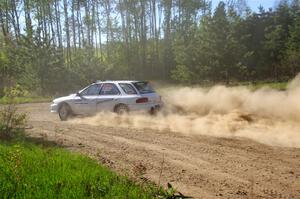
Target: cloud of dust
(265, 115)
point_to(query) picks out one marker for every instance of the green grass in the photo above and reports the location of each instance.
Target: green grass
(273, 85)
(249, 84)
(33, 171)
(22, 100)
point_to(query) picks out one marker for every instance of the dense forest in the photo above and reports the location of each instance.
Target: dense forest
(53, 46)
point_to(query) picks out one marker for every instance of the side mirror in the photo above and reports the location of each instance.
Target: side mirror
(79, 95)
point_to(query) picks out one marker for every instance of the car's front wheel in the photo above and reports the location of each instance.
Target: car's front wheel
(64, 112)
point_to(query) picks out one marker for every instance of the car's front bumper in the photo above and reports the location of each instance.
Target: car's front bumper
(54, 108)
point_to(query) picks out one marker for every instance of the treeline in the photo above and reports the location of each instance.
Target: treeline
(57, 45)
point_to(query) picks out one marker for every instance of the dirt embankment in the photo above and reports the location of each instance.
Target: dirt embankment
(225, 165)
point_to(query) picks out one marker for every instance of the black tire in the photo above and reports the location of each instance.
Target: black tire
(64, 112)
(121, 109)
(154, 111)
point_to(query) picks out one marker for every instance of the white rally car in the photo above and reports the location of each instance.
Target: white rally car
(117, 96)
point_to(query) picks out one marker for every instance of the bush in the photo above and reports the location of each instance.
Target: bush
(12, 123)
(181, 74)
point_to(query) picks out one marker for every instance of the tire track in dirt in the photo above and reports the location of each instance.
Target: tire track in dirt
(201, 166)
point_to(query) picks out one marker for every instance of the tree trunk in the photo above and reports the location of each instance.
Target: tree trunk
(3, 23)
(67, 31)
(78, 23)
(108, 27)
(87, 22)
(28, 19)
(99, 31)
(58, 24)
(73, 24)
(143, 35)
(15, 19)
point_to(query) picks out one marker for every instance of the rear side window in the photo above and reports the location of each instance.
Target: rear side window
(92, 90)
(143, 87)
(128, 89)
(109, 89)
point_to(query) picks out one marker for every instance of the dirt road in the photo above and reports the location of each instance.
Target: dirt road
(197, 165)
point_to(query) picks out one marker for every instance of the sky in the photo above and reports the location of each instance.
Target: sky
(254, 4)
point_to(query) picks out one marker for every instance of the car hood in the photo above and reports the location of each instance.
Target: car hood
(65, 98)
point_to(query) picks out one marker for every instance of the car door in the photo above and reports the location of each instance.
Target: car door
(108, 98)
(86, 102)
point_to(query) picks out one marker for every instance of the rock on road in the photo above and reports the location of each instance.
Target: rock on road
(198, 166)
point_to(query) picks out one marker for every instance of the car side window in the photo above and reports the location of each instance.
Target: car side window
(109, 89)
(128, 89)
(92, 90)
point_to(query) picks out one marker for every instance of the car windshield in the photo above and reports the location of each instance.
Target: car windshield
(143, 87)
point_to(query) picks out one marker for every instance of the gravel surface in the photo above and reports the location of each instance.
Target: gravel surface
(196, 165)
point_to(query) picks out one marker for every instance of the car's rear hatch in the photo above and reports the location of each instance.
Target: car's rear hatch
(148, 95)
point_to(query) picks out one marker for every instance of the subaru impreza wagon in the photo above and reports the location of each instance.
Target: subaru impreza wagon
(117, 96)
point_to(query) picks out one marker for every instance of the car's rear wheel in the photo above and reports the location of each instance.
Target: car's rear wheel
(121, 109)
(64, 112)
(154, 110)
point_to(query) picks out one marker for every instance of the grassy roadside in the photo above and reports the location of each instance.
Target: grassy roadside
(208, 84)
(22, 100)
(258, 85)
(32, 171)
